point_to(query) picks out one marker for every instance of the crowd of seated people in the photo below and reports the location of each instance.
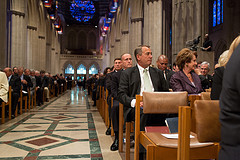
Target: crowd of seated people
(124, 81)
(26, 81)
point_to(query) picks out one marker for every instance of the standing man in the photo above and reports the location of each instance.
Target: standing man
(138, 79)
(162, 63)
(126, 59)
(206, 79)
(117, 67)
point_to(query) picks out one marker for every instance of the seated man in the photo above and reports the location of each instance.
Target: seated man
(206, 79)
(138, 79)
(162, 64)
(126, 61)
(15, 82)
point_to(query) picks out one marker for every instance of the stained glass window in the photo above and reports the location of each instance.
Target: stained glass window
(93, 70)
(214, 13)
(81, 69)
(82, 10)
(217, 12)
(69, 69)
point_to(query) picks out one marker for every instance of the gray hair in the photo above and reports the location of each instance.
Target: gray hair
(205, 62)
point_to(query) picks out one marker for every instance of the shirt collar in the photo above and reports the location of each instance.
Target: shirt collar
(141, 68)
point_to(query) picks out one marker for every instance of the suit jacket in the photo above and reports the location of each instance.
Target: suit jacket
(115, 84)
(130, 84)
(168, 74)
(229, 109)
(4, 86)
(29, 83)
(108, 86)
(206, 81)
(15, 83)
(217, 83)
(180, 82)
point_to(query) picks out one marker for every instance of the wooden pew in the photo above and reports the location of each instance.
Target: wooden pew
(9, 104)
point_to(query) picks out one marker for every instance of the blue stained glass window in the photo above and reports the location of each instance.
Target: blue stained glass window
(214, 13)
(82, 10)
(69, 69)
(170, 36)
(93, 70)
(218, 12)
(81, 69)
(222, 11)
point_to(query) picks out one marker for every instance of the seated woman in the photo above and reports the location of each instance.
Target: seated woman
(186, 79)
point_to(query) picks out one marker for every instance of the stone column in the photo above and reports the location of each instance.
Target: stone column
(124, 42)
(3, 33)
(153, 27)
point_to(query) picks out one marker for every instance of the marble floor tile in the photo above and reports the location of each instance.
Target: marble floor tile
(67, 127)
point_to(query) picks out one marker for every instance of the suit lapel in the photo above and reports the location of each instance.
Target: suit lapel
(136, 79)
(153, 76)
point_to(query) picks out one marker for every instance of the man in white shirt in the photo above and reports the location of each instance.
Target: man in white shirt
(140, 78)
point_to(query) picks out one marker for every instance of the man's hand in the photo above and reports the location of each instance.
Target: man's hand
(24, 81)
(141, 104)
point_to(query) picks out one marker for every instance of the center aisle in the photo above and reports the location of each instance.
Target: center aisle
(67, 127)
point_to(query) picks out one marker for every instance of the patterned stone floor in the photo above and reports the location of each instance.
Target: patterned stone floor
(67, 127)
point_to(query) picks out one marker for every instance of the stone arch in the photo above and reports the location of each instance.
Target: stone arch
(66, 65)
(93, 63)
(221, 46)
(92, 40)
(72, 40)
(83, 63)
(82, 40)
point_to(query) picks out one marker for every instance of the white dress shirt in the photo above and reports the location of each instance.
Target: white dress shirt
(133, 102)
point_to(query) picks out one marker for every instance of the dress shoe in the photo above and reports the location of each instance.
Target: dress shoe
(114, 146)
(108, 131)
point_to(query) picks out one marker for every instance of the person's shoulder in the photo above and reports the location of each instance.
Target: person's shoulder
(130, 70)
(2, 73)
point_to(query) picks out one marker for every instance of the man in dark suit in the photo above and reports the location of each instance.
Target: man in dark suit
(39, 88)
(162, 63)
(138, 79)
(229, 108)
(117, 67)
(206, 79)
(15, 83)
(126, 59)
(25, 80)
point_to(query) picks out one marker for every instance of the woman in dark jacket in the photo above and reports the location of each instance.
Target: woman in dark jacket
(186, 79)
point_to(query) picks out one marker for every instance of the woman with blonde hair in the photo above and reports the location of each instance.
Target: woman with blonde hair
(218, 73)
(186, 79)
(230, 105)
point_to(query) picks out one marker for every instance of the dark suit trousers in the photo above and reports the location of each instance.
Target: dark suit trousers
(15, 97)
(115, 115)
(40, 95)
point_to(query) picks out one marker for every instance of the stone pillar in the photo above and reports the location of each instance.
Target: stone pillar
(153, 27)
(186, 23)
(124, 42)
(3, 33)
(117, 49)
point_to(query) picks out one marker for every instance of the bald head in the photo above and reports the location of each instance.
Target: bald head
(8, 71)
(162, 62)
(126, 60)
